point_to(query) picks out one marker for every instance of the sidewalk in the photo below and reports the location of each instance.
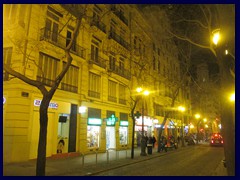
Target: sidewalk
(91, 164)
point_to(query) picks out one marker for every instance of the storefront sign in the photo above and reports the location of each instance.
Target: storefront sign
(94, 121)
(123, 123)
(111, 121)
(147, 121)
(37, 102)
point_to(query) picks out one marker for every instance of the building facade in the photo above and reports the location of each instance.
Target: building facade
(114, 53)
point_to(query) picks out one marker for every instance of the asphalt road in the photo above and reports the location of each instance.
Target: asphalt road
(194, 161)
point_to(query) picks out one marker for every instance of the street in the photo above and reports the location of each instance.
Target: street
(194, 161)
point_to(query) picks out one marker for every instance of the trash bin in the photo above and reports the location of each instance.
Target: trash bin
(149, 147)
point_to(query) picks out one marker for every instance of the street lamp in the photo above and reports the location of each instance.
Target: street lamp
(216, 36)
(143, 140)
(182, 109)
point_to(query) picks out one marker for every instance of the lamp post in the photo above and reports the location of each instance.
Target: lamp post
(182, 109)
(143, 139)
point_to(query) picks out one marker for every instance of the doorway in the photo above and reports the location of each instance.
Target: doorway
(110, 137)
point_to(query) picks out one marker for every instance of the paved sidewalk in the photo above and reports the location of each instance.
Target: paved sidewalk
(91, 164)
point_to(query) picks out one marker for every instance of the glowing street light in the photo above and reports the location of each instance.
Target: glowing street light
(197, 116)
(216, 36)
(232, 97)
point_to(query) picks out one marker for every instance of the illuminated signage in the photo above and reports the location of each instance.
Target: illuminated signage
(51, 104)
(123, 123)
(94, 121)
(111, 121)
(4, 100)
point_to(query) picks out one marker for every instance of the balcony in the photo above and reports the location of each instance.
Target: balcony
(68, 87)
(99, 25)
(119, 14)
(122, 101)
(93, 94)
(98, 61)
(119, 39)
(60, 41)
(121, 72)
(112, 99)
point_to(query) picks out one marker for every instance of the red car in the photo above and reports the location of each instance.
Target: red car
(216, 139)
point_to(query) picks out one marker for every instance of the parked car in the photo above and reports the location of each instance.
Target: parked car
(216, 139)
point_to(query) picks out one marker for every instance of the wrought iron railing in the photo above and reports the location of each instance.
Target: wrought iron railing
(61, 41)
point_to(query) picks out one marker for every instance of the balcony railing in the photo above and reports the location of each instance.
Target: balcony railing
(68, 87)
(45, 81)
(112, 98)
(93, 94)
(119, 39)
(121, 72)
(61, 41)
(99, 25)
(119, 14)
(122, 101)
(98, 61)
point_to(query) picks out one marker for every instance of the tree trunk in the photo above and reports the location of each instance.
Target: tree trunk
(227, 116)
(41, 157)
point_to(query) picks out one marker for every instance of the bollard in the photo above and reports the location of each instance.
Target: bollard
(96, 156)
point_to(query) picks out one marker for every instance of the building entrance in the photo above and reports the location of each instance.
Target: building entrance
(110, 137)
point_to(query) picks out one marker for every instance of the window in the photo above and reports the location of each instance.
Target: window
(48, 68)
(122, 94)
(69, 36)
(7, 56)
(94, 85)
(70, 80)
(121, 65)
(112, 91)
(159, 110)
(52, 23)
(112, 63)
(94, 51)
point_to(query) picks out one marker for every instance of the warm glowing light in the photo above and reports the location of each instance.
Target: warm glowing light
(232, 97)
(139, 89)
(226, 52)
(197, 116)
(146, 92)
(216, 36)
(191, 126)
(206, 126)
(205, 120)
(181, 108)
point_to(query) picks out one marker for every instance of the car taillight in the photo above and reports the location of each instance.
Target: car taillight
(212, 141)
(222, 142)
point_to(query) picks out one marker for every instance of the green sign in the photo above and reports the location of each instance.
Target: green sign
(94, 121)
(123, 123)
(111, 121)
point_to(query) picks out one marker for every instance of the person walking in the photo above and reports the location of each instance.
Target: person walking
(153, 141)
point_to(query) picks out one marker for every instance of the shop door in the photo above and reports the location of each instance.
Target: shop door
(110, 137)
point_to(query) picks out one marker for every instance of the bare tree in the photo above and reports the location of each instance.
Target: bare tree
(48, 93)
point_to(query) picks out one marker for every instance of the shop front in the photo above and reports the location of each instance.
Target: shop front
(123, 129)
(110, 130)
(94, 123)
(61, 136)
(147, 128)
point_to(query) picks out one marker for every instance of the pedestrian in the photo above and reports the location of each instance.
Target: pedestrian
(154, 140)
